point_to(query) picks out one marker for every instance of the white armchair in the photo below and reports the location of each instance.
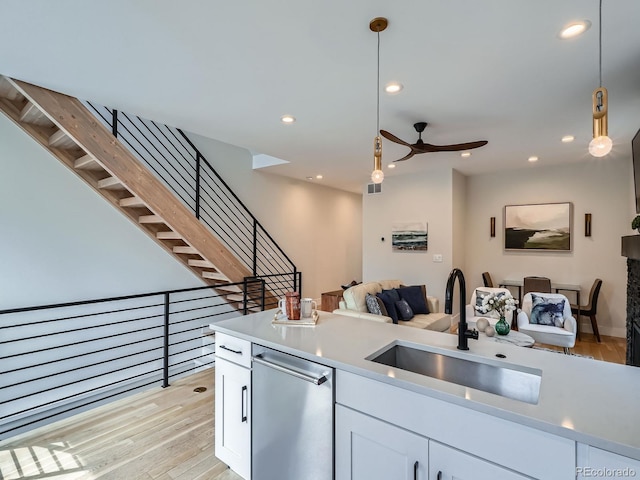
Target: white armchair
(564, 336)
(473, 315)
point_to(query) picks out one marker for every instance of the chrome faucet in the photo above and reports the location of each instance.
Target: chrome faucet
(463, 332)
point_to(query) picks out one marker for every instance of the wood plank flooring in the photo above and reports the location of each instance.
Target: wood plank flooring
(164, 434)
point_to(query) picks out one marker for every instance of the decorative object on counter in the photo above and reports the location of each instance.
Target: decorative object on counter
(307, 307)
(492, 227)
(409, 237)
(498, 303)
(290, 304)
(481, 324)
(502, 327)
(545, 226)
(489, 331)
(587, 224)
(281, 319)
(635, 223)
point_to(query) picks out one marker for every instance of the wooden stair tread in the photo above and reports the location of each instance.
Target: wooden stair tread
(8, 91)
(61, 140)
(111, 183)
(214, 276)
(185, 250)
(131, 202)
(229, 288)
(87, 163)
(150, 219)
(201, 263)
(33, 115)
(170, 235)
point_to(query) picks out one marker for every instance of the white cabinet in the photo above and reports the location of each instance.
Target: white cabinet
(594, 462)
(233, 415)
(446, 463)
(370, 449)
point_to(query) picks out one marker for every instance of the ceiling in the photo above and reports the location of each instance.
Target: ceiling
(475, 70)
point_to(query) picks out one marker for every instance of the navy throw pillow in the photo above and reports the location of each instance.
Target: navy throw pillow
(415, 297)
(389, 301)
(404, 310)
(547, 311)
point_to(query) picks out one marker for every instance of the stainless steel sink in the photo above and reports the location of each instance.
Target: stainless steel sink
(518, 383)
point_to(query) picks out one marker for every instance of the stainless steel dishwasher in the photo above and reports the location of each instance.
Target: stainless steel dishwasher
(292, 406)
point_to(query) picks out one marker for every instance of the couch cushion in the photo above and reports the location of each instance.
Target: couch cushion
(416, 297)
(355, 297)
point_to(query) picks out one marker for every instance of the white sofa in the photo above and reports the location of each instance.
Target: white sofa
(354, 305)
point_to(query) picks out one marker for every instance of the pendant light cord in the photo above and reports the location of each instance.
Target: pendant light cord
(600, 43)
(378, 91)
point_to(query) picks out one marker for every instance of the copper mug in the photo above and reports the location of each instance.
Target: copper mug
(290, 305)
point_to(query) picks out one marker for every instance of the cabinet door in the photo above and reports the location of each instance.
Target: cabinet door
(370, 449)
(446, 463)
(232, 416)
(594, 462)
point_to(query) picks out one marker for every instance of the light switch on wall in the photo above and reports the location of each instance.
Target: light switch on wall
(437, 258)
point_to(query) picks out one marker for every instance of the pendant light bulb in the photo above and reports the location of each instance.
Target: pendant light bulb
(377, 25)
(377, 176)
(601, 144)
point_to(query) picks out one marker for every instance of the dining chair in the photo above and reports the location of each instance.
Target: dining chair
(590, 309)
(486, 278)
(536, 284)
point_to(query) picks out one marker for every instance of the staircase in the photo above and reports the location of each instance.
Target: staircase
(72, 134)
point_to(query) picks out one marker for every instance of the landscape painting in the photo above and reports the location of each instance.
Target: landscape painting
(409, 237)
(544, 226)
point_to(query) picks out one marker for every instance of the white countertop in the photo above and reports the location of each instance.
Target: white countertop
(586, 400)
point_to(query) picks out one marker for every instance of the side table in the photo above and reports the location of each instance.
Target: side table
(329, 301)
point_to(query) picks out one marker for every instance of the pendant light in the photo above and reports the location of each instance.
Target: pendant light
(378, 24)
(601, 144)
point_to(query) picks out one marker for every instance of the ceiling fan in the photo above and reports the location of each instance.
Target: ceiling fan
(421, 147)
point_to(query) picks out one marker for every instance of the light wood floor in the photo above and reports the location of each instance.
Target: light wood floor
(164, 434)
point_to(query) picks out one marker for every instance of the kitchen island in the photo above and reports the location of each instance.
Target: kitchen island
(585, 417)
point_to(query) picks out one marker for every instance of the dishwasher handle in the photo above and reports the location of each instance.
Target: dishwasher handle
(281, 368)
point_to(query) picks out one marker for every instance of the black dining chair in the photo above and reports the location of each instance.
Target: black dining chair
(536, 284)
(486, 278)
(590, 309)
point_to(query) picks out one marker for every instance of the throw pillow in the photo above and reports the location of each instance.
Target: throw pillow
(372, 304)
(415, 297)
(389, 301)
(393, 293)
(547, 311)
(404, 310)
(480, 294)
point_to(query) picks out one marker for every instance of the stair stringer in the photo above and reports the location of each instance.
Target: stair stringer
(64, 127)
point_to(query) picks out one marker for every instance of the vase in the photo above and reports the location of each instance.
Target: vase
(502, 327)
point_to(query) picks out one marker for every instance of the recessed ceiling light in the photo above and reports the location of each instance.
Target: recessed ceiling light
(319, 177)
(391, 165)
(287, 119)
(533, 159)
(393, 87)
(465, 154)
(574, 29)
(568, 139)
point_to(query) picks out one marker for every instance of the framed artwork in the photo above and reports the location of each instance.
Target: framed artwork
(409, 237)
(544, 226)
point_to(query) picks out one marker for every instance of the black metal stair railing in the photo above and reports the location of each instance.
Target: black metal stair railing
(57, 360)
(176, 161)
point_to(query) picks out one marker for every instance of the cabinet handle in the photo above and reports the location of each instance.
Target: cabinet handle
(439, 476)
(244, 404)
(224, 347)
(415, 470)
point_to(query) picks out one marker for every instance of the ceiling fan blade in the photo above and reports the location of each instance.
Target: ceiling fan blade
(456, 147)
(407, 156)
(393, 138)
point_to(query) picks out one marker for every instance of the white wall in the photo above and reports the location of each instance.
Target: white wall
(424, 197)
(319, 228)
(60, 241)
(601, 187)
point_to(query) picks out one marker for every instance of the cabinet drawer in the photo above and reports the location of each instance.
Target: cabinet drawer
(233, 349)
